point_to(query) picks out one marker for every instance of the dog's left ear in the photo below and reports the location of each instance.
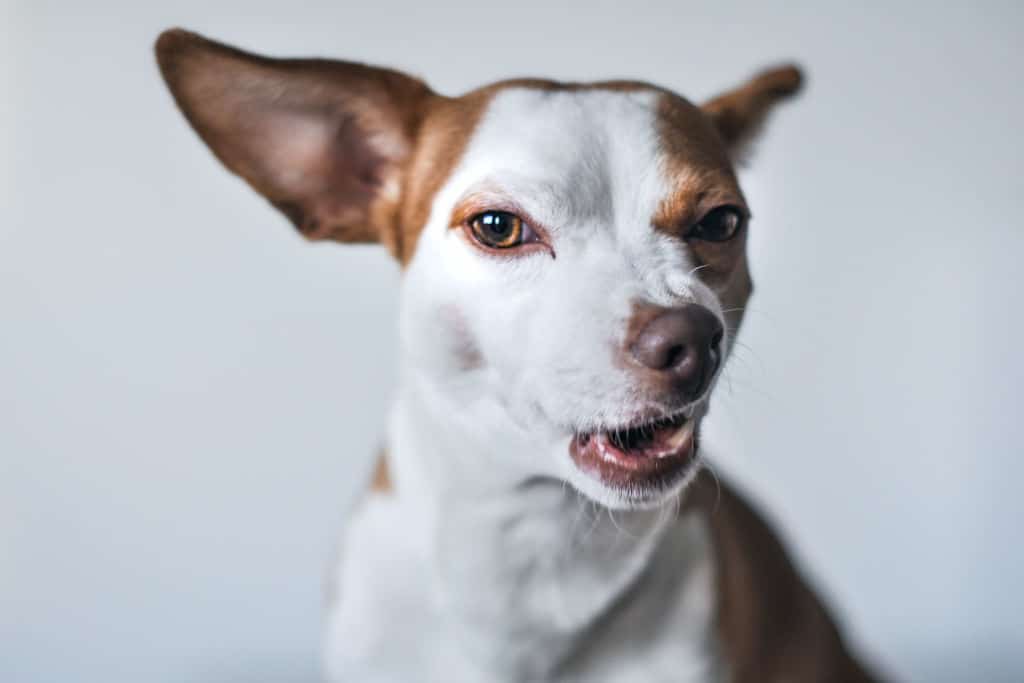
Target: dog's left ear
(326, 142)
(739, 114)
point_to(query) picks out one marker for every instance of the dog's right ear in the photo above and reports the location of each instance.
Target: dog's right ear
(739, 113)
(325, 141)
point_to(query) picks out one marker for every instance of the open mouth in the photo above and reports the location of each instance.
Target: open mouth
(649, 454)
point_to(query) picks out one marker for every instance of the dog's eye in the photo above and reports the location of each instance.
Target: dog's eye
(718, 225)
(499, 229)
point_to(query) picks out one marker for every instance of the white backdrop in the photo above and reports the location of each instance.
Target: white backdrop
(190, 394)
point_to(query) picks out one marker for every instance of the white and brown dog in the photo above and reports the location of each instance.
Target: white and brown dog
(574, 276)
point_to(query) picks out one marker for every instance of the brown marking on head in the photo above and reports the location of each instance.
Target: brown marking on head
(700, 173)
(699, 146)
(695, 163)
(447, 127)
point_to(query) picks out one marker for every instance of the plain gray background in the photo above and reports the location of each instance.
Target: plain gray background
(191, 394)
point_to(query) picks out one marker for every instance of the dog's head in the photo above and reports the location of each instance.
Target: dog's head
(574, 254)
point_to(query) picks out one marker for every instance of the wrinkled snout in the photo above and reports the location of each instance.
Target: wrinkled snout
(675, 350)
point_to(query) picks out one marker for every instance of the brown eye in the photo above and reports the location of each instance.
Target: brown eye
(718, 225)
(498, 229)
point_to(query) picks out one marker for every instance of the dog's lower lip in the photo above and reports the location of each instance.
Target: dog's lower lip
(642, 454)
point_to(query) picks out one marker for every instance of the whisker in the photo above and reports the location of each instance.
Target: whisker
(703, 265)
(718, 485)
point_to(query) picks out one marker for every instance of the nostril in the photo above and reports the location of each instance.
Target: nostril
(674, 356)
(716, 340)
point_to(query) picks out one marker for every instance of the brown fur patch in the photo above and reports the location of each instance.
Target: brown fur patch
(772, 626)
(739, 113)
(697, 166)
(444, 134)
(381, 481)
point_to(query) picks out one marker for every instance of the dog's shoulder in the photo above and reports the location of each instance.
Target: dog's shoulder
(380, 481)
(771, 625)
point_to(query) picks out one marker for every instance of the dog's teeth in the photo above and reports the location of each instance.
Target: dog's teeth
(680, 436)
(605, 455)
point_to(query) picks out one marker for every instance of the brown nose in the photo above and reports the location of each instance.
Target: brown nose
(683, 345)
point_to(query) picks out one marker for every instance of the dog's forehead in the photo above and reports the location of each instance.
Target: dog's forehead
(629, 126)
(561, 129)
(568, 155)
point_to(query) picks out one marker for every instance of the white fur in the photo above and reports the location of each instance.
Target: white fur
(482, 567)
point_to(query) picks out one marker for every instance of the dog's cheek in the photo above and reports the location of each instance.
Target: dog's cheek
(461, 343)
(574, 337)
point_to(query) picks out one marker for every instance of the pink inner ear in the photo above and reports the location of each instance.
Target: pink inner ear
(296, 150)
(317, 165)
(307, 153)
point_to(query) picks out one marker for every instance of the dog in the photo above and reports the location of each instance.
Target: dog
(574, 276)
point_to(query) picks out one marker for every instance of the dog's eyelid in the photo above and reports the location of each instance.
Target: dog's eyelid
(739, 210)
(473, 205)
(720, 224)
(737, 207)
(531, 238)
(522, 250)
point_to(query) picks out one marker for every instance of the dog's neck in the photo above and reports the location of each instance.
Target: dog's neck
(526, 568)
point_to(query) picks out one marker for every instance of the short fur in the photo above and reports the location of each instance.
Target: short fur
(484, 552)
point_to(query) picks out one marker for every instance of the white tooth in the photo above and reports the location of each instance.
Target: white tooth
(605, 455)
(680, 436)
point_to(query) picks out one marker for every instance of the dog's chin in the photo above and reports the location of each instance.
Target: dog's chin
(639, 465)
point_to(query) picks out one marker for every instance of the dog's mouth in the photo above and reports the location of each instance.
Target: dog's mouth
(651, 454)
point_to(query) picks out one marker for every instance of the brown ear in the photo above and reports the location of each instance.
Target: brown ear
(326, 142)
(739, 114)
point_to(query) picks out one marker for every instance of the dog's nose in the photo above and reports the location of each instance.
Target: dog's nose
(682, 345)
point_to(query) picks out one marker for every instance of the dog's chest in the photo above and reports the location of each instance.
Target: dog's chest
(401, 612)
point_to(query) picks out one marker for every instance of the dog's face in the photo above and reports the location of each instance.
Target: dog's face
(575, 254)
